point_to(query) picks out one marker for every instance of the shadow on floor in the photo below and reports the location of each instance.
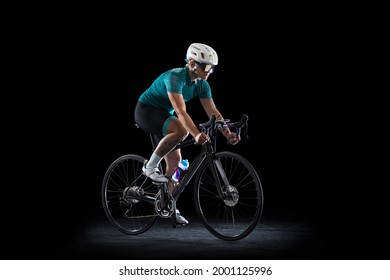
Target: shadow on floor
(271, 239)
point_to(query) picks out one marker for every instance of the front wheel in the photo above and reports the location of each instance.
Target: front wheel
(231, 204)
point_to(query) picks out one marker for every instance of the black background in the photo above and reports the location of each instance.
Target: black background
(292, 78)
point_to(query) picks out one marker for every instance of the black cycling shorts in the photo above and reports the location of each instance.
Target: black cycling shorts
(152, 120)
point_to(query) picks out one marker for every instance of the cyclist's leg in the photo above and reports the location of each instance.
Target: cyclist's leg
(154, 121)
(174, 134)
(172, 160)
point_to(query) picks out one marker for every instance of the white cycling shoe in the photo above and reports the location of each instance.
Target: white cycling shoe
(180, 219)
(154, 174)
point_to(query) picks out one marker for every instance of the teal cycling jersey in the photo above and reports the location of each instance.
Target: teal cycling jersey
(176, 81)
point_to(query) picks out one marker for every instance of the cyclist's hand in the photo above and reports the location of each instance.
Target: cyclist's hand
(201, 138)
(233, 138)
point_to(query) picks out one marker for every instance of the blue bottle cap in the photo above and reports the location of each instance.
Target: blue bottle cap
(184, 164)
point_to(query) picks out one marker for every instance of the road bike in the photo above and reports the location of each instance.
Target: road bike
(227, 189)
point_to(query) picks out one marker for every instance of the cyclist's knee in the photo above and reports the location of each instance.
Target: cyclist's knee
(183, 135)
(178, 130)
(180, 134)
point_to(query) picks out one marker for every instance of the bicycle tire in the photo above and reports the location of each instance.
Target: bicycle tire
(122, 195)
(235, 216)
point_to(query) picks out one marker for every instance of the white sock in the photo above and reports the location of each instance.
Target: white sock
(154, 161)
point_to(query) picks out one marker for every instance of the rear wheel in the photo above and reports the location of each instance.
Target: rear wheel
(128, 196)
(233, 212)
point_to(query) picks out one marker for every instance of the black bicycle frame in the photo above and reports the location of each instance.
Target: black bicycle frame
(207, 151)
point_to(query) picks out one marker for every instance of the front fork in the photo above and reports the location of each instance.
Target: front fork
(216, 168)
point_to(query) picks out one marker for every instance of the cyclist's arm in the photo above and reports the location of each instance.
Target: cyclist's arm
(179, 105)
(210, 109)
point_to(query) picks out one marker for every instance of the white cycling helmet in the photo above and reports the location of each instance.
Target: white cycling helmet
(202, 54)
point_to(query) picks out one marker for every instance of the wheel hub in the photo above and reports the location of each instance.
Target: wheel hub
(231, 196)
(130, 194)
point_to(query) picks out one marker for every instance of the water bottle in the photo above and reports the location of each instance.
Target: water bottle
(183, 166)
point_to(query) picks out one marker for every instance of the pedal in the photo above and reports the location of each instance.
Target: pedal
(158, 183)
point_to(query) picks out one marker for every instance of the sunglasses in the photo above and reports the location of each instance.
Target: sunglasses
(206, 67)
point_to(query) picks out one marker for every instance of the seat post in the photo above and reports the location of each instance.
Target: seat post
(153, 141)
